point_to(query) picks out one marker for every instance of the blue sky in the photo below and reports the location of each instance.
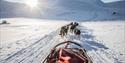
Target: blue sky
(105, 1)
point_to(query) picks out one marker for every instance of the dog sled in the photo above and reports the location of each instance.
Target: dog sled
(67, 54)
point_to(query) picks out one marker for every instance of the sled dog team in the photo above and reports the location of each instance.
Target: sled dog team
(71, 27)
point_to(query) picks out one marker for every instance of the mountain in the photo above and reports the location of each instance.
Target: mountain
(118, 4)
(66, 10)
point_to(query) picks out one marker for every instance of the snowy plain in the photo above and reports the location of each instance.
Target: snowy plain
(30, 40)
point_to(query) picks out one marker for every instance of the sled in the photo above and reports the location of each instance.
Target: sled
(67, 54)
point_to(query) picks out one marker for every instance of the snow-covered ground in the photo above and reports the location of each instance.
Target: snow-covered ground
(30, 40)
(112, 36)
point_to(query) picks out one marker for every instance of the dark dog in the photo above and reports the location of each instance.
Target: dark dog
(73, 26)
(77, 32)
(64, 31)
(76, 23)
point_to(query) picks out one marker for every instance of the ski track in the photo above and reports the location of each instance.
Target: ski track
(38, 51)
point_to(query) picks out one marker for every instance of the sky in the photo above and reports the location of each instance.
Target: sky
(22, 1)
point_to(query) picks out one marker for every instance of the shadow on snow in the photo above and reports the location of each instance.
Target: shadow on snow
(87, 40)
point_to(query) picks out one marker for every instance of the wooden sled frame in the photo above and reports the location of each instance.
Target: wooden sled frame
(69, 50)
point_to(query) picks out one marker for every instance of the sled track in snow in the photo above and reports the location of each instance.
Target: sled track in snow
(23, 50)
(34, 52)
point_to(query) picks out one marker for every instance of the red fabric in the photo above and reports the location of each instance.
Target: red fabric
(63, 59)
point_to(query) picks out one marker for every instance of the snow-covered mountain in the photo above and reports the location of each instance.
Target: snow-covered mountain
(66, 10)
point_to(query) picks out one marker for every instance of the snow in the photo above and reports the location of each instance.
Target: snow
(109, 33)
(30, 40)
(112, 36)
(21, 33)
